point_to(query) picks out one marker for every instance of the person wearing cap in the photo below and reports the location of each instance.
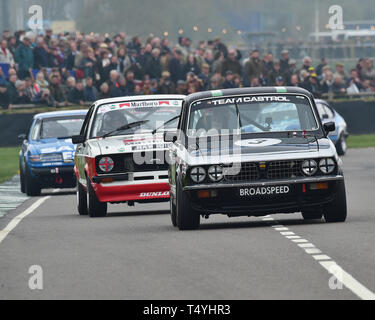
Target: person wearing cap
(340, 71)
(229, 82)
(253, 67)
(312, 85)
(279, 81)
(284, 61)
(25, 59)
(275, 73)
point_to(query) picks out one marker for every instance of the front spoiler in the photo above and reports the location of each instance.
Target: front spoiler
(264, 183)
(132, 192)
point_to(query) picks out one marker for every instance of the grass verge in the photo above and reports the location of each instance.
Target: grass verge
(9, 163)
(361, 141)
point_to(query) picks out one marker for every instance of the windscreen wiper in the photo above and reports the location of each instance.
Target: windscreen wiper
(126, 127)
(165, 123)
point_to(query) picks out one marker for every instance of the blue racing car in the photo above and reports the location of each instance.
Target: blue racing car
(47, 154)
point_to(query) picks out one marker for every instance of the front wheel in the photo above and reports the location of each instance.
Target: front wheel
(22, 182)
(173, 212)
(337, 210)
(96, 208)
(81, 200)
(32, 187)
(187, 217)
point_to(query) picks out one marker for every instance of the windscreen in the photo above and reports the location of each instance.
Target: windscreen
(147, 115)
(61, 127)
(252, 114)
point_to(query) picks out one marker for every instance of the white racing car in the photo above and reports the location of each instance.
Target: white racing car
(120, 156)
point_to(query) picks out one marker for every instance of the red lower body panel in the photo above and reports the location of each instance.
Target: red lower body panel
(131, 192)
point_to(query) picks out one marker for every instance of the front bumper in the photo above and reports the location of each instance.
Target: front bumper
(228, 201)
(54, 177)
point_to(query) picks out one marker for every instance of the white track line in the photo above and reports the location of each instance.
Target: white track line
(16, 220)
(327, 263)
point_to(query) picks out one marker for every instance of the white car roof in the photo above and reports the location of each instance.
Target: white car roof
(137, 98)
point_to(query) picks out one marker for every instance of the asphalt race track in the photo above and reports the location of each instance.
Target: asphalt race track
(135, 253)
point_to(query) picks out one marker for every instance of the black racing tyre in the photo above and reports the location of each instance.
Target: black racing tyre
(341, 146)
(81, 200)
(32, 187)
(96, 208)
(312, 214)
(337, 210)
(187, 217)
(173, 212)
(22, 182)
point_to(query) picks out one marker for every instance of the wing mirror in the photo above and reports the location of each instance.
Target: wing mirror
(329, 127)
(78, 139)
(22, 136)
(170, 137)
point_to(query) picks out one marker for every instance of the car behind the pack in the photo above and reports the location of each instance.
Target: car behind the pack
(46, 157)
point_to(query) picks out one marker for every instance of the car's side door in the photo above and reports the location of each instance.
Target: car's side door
(81, 150)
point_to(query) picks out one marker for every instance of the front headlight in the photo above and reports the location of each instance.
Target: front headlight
(198, 174)
(106, 164)
(309, 167)
(48, 157)
(327, 165)
(35, 158)
(215, 173)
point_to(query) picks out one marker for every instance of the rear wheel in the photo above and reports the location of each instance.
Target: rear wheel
(341, 146)
(96, 208)
(187, 217)
(81, 200)
(337, 211)
(32, 186)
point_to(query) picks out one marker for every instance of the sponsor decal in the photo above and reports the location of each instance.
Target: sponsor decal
(250, 99)
(140, 104)
(262, 191)
(217, 93)
(154, 194)
(261, 142)
(281, 90)
(143, 144)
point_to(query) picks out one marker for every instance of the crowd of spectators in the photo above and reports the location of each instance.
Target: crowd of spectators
(77, 69)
